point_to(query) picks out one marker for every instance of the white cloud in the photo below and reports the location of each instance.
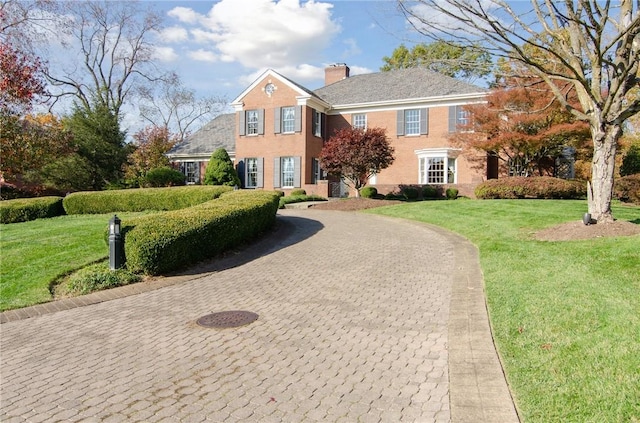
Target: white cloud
(174, 34)
(184, 14)
(263, 33)
(202, 55)
(165, 54)
(352, 48)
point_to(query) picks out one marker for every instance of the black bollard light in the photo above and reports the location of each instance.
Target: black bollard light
(116, 249)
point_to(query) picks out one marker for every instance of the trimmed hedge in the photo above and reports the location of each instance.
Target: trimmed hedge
(141, 199)
(164, 242)
(544, 187)
(627, 189)
(369, 192)
(25, 209)
(299, 199)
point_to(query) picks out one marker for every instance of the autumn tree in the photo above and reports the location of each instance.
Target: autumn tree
(589, 45)
(443, 57)
(151, 145)
(21, 79)
(220, 170)
(355, 155)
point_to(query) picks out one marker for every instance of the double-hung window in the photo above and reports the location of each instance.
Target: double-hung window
(317, 123)
(459, 119)
(413, 122)
(288, 119)
(288, 169)
(252, 122)
(252, 172)
(287, 172)
(359, 120)
(437, 166)
(191, 172)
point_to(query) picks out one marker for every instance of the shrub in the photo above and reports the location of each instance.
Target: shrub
(631, 161)
(369, 192)
(162, 242)
(163, 177)
(137, 200)
(544, 187)
(280, 193)
(98, 277)
(220, 170)
(299, 199)
(627, 189)
(298, 192)
(429, 192)
(25, 209)
(452, 193)
(410, 193)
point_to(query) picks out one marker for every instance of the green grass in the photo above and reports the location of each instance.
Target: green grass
(36, 253)
(565, 315)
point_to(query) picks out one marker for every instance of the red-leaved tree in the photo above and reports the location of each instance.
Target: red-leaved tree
(151, 145)
(20, 79)
(355, 155)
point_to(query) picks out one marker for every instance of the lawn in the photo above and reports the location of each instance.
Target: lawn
(565, 315)
(36, 253)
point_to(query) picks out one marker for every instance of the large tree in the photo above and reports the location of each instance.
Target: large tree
(592, 47)
(447, 58)
(355, 155)
(151, 145)
(21, 79)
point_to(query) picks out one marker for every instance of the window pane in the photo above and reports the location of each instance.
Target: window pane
(360, 121)
(435, 170)
(252, 122)
(412, 122)
(451, 172)
(252, 172)
(288, 119)
(287, 172)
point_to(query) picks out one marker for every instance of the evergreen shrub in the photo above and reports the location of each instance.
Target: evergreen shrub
(410, 193)
(429, 192)
(369, 192)
(163, 177)
(163, 242)
(298, 192)
(627, 189)
(141, 199)
(26, 209)
(452, 193)
(543, 187)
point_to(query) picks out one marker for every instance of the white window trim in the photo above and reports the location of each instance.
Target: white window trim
(292, 120)
(255, 159)
(447, 153)
(364, 115)
(282, 171)
(257, 124)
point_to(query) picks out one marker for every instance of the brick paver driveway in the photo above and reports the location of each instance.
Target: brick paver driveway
(353, 326)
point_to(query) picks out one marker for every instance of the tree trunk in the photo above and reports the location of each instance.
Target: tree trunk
(605, 141)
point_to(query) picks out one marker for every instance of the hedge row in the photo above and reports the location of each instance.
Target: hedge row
(163, 242)
(142, 199)
(532, 187)
(627, 189)
(25, 209)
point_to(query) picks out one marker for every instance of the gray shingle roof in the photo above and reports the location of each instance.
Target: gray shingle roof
(220, 132)
(400, 84)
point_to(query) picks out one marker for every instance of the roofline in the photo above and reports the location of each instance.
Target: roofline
(451, 100)
(195, 156)
(237, 103)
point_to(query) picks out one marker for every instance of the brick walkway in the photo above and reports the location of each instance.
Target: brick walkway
(362, 319)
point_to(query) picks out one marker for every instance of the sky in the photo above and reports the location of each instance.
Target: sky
(219, 48)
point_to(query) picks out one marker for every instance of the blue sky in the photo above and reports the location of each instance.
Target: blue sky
(219, 47)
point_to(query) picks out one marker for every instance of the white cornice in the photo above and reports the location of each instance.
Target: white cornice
(449, 100)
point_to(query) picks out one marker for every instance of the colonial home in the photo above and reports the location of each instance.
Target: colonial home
(279, 128)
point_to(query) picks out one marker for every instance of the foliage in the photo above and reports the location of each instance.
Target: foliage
(163, 177)
(369, 192)
(98, 277)
(151, 145)
(142, 199)
(356, 154)
(631, 160)
(100, 144)
(429, 192)
(30, 143)
(23, 210)
(297, 192)
(410, 193)
(578, 298)
(627, 188)
(300, 198)
(443, 57)
(21, 79)
(523, 125)
(587, 46)
(220, 170)
(532, 187)
(451, 193)
(163, 242)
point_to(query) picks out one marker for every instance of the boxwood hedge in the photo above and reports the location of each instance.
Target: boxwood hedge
(163, 242)
(138, 200)
(532, 187)
(25, 209)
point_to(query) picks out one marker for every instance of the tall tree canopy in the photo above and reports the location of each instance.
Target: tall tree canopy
(356, 155)
(151, 145)
(447, 58)
(591, 47)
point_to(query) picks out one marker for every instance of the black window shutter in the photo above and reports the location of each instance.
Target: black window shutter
(241, 172)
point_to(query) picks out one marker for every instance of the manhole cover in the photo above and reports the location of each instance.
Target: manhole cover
(227, 319)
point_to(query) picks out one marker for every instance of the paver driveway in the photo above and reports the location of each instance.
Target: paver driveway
(354, 314)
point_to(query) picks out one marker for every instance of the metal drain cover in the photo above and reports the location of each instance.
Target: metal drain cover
(227, 319)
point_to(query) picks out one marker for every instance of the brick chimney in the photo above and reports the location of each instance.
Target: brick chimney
(336, 72)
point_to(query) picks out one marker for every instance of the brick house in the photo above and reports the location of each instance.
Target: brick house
(280, 127)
